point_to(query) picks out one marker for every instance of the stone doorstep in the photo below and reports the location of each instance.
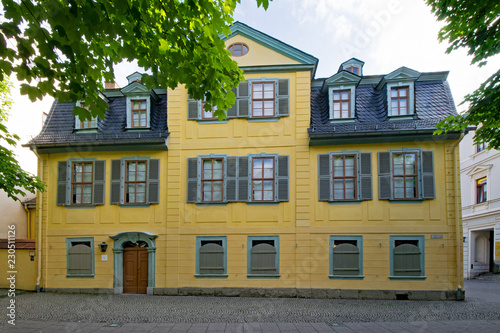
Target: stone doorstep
(431, 295)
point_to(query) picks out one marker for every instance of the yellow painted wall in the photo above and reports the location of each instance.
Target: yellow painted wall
(26, 270)
(258, 55)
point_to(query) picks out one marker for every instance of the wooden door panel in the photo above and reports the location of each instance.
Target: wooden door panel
(142, 283)
(129, 271)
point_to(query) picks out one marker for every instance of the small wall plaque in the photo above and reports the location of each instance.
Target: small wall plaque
(436, 236)
(104, 257)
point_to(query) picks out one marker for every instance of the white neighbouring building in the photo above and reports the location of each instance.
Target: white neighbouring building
(480, 176)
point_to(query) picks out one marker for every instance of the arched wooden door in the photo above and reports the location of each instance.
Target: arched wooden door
(135, 269)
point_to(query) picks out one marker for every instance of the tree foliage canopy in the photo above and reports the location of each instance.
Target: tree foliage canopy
(474, 25)
(67, 49)
(13, 179)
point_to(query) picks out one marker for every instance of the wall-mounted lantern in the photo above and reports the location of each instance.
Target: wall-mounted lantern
(103, 246)
(32, 255)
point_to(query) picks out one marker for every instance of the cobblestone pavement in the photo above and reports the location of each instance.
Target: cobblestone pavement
(48, 312)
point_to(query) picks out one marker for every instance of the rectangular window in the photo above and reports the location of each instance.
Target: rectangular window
(405, 175)
(212, 179)
(480, 147)
(344, 177)
(86, 124)
(341, 104)
(263, 178)
(135, 182)
(207, 114)
(346, 257)
(407, 257)
(139, 113)
(80, 257)
(82, 183)
(263, 99)
(352, 69)
(481, 190)
(263, 256)
(399, 101)
(211, 256)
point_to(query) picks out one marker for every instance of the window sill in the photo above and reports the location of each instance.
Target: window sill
(137, 129)
(211, 276)
(86, 130)
(405, 117)
(417, 278)
(211, 121)
(346, 277)
(85, 276)
(134, 205)
(211, 204)
(262, 119)
(263, 276)
(263, 203)
(345, 202)
(340, 121)
(80, 206)
(405, 201)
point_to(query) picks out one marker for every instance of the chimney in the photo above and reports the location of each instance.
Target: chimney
(111, 85)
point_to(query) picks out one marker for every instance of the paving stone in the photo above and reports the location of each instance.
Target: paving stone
(216, 327)
(321, 327)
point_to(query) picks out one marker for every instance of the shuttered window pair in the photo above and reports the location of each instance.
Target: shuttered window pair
(406, 174)
(263, 256)
(80, 182)
(80, 257)
(255, 98)
(211, 256)
(252, 178)
(346, 257)
(407, 257)
(135, 181)
(345, 175)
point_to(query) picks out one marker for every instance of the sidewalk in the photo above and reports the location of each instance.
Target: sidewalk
(389, 327)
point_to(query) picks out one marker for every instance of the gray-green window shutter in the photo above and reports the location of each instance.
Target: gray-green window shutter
(116, 170)
(366, 176)
(193, 107)
(243, 179)
(407, 260)
(384, 175)
(192, 179)
(428, 187)
(244, 99)
(99, 182)
(283, 98)
(283, 178)
(154, 181)
(231, 179)
(211, 259)
(324, 178)
(263, 259)
(232, 112)
(345, 259)
(79, 259)
(62, 170)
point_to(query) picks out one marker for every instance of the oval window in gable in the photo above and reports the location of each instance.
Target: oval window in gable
(238, 49)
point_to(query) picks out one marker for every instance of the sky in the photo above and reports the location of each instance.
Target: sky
(385, 34)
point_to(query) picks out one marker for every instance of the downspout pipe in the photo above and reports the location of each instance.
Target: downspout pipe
(460, 292)
(39, 240)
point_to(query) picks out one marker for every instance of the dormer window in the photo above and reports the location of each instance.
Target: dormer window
(139, 113)
(238, 49)
(85, 124)
(399, 101)
(354, 70)
(341, 104)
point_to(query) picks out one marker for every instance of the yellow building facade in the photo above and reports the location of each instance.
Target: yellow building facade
(253, 205)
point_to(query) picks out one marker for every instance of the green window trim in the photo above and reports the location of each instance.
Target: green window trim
(199, 241)
(352, 101)
(420, 239)
(359, 245)
(117, 181)
(242, 108)
(265, 238)
(425, 174)
(363, 186)
(64, 182)
(138, 97)
(237, 179)
(69, 244)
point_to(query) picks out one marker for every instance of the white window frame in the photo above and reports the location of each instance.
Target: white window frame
(352, 89)
(133, 98)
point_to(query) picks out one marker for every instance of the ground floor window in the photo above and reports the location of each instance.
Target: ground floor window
(346, 257)
(407, 257)
(263, 256)
(80, 257)
(211, 256)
